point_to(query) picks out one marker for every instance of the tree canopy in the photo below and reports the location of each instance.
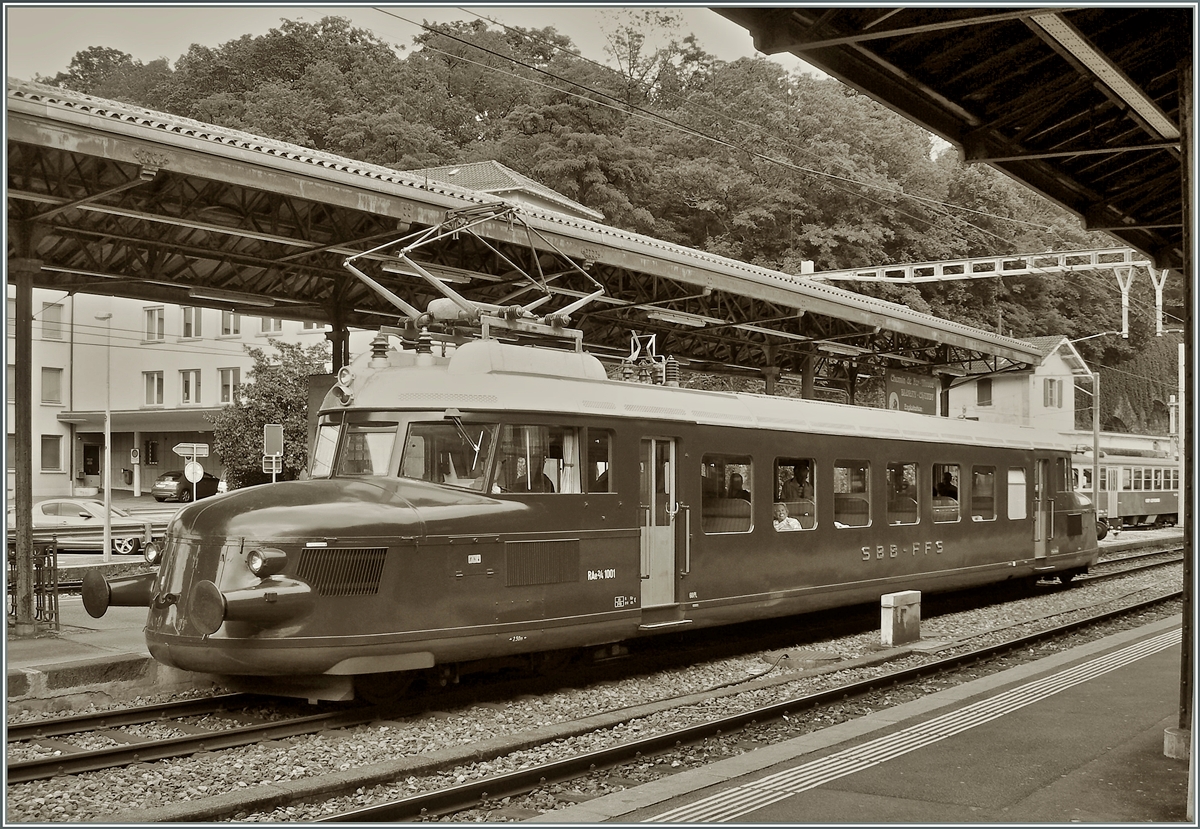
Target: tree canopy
(741, 158)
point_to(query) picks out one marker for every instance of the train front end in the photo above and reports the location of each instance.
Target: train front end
(334, 577)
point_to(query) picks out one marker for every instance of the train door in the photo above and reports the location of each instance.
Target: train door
(1043, 506)
(659, 506)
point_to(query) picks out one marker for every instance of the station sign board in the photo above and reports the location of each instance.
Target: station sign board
(907, 392)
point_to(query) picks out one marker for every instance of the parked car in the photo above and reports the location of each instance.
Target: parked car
(126, 530)
(173, 486)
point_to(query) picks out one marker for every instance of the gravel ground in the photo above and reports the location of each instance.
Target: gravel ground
(125, 791)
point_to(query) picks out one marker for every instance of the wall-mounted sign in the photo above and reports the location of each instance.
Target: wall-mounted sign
(912, 392)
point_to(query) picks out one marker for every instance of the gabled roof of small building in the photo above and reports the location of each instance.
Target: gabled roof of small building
(494, 177)
(1066, 349)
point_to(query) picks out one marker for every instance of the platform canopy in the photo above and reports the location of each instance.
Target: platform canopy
(108, 198)
(1081, 104)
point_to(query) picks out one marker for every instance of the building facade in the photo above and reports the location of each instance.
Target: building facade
(162, 370)
(1045, 397)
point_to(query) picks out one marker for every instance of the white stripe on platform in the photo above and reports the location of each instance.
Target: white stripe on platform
(748, 797)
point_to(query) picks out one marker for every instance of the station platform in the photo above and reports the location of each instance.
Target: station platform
(1077, 737)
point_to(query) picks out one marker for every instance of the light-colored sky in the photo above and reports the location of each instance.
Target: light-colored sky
(42, 39)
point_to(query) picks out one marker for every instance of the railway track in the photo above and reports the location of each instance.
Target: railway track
(228, 724)
(1133, 563)
(492, 789)
(74, 762)
(231, 717)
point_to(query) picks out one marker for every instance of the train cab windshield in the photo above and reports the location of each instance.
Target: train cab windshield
(451, 453)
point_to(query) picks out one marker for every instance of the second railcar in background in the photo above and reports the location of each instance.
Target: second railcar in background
(1134, 491)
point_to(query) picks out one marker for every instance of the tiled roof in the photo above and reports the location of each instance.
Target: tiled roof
(494, 177)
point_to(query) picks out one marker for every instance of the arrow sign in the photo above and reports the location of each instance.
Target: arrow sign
(191, 450)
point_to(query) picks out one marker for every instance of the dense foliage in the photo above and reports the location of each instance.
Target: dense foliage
(738, 158)
(276, 391)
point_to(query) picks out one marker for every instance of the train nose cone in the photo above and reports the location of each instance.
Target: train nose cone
(302, 509)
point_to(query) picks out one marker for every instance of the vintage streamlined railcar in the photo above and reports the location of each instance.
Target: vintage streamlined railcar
(509, 501)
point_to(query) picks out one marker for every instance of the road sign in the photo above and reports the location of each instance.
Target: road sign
(272, 464)
(191, 450)
(272, 439)
(193, 471)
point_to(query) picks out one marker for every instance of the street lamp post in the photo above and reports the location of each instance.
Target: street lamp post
(106, 319)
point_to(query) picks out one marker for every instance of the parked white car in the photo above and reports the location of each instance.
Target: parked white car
(70, 513)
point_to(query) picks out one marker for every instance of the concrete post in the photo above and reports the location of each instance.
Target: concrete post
(900, 617)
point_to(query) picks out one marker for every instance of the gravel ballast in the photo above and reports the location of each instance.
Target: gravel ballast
(384, 760)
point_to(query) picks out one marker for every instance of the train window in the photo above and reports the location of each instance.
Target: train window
(1083, 479)
(1062, 469)
(1158, 479)
(794, 490)
(725, 501)
(1016, 493)
(1126, 478)
(452, 453)
(323, 449)
(543, 459)
(599, 461)
(1137, 477)
(851, 493)
(945, 493)
(367, 447)
(983, 493)
(903, 502)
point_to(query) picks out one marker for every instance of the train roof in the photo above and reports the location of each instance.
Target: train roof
(490, 375)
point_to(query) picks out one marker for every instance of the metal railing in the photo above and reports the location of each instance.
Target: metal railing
(45, 583)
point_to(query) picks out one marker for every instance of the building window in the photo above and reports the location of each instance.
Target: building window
(52, 385)
(12, 316)
(231, 324)
(983, 392)
(155, 325)
(312, 326)
(11, 453)
(52, 328)
(191, 322)
(1052, 393)
(271, 325)
(12, 384)
(154, 388)
(52, 453)
(231, 378)
(189, 386)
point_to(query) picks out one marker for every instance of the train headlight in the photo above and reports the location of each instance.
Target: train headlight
(345, 385)
(266, 561)
(152, 553)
